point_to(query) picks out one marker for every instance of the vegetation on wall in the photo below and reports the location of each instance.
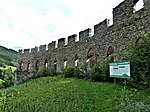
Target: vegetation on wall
(43, 72)
(139, 56)
(101, 73)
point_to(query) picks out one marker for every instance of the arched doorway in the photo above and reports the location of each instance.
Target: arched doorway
(138, 42)
(110, 53)
(55, 65)
(21, 65)
(65, 62)
(37, 65)
(28, 66)
(91, 60)
(76, 62)
(46, 63)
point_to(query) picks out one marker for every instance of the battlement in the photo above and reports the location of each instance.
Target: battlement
(42, 48)
(51, 46)
(72, 39)
(126, 24)
(125, 10)
(33, 50)
(101, 27)
(121, 13)
(83, 35)
(61, 42)
(26, 51)
(20, 51)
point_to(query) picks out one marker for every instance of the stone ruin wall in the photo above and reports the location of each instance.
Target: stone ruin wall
(106, 40)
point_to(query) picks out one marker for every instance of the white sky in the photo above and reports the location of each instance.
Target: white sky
(30, 23)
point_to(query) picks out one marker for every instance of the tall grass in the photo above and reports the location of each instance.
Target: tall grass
(56, 94)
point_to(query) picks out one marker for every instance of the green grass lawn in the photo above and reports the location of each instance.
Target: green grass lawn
(56, 94)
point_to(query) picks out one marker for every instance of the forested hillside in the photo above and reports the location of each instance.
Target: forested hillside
(8, 57)
(8, 61)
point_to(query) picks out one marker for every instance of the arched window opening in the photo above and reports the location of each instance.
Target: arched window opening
(91, 58)
(55, 65)
(90, 53)
(76, 63)
(37, 65)
(138, 42)
(110, 51)
(88, 68)
(138, 4)
(76, 60)
(88, 60)
(110, 54)
(46, 63)
(21, 65)
(28, 66)
(65, 62)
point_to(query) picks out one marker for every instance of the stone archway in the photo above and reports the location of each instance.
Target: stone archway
(46, 63)
(37, 65)
(65, 62)
(138, 41)
(91, 57)
(111, 54)
(110, 51)
(21, 65)
(55, 65)
(76, 61)
(91, 60)
(28, 66)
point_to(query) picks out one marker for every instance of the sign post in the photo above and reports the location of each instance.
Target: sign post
(120, 70)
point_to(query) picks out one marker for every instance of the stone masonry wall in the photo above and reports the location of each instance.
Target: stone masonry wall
(106, 40)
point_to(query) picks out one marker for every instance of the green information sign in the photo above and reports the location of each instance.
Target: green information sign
(119, 69)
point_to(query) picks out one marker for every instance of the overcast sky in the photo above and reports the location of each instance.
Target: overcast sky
(30, 23)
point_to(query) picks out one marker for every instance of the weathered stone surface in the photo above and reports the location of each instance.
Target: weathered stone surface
(126, 25)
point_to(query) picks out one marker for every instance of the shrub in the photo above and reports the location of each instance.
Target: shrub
(1, 83)
(8, 77)
(2, 65)
(105, 70)
(95, 73)
(34, 75)
(140, 62)
(43, 72)
(101, 73)
(128, 104)
(68, 72)
(79, 72)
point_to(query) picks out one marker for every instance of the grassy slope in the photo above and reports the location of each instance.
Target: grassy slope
(56, 94)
